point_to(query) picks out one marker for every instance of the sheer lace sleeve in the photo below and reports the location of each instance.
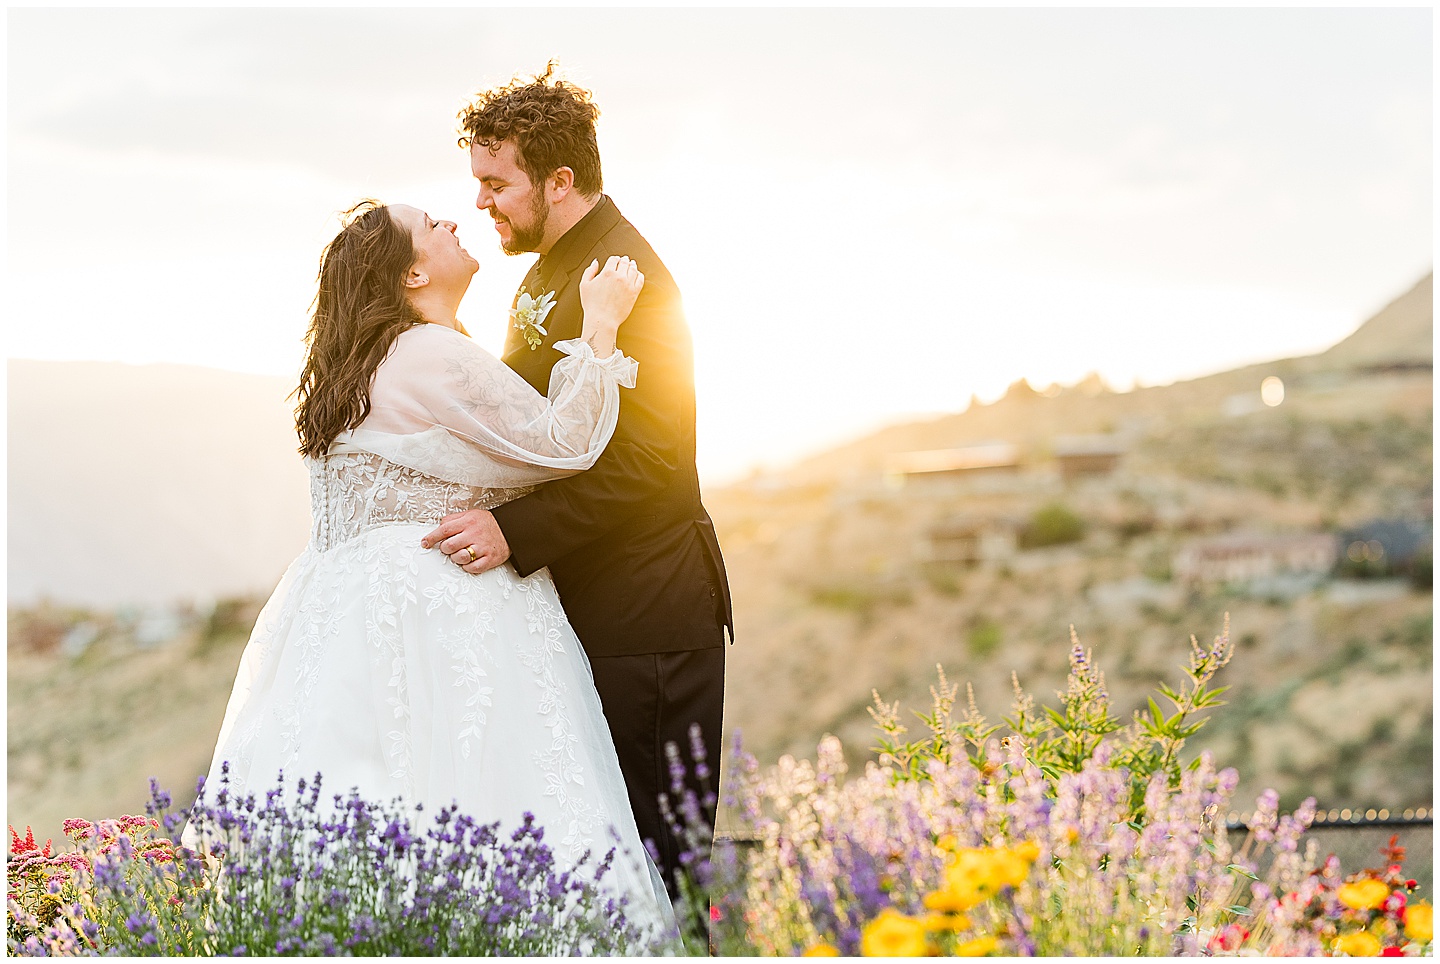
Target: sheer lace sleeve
(442, 405)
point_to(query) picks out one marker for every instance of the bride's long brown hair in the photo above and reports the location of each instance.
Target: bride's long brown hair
(359, 310)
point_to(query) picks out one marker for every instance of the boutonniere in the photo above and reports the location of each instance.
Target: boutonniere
(529, 315)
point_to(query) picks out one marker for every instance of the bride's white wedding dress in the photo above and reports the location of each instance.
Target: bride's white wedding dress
(384, 666)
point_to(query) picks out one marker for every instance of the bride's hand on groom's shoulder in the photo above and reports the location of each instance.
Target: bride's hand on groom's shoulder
(608, 293)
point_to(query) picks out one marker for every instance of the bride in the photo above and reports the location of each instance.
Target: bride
(383, 665)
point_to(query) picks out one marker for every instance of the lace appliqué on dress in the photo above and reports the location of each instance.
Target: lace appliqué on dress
(359, 493)
(356, 492)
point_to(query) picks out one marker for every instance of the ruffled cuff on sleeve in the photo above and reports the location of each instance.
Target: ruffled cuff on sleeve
(620, 367)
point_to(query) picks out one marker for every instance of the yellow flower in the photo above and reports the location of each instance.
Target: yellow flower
(1358, 944)
(950, 900)
(893, 935)
(1008, 868)
(822, 950)
(946, 922)
(1419, 922)
(979, 947)
(1028, 851)
(1367, 894)
(993, 868)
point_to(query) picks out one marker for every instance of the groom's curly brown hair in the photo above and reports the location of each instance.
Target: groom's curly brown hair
(551, 122)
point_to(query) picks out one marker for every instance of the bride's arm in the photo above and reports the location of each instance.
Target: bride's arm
(444, 406)
(437, 378)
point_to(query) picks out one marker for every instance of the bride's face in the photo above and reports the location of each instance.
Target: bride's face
(439, 258)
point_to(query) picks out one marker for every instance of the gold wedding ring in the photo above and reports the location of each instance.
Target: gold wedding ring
(473, 555)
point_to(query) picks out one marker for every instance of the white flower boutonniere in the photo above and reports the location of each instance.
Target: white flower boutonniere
(529, 315)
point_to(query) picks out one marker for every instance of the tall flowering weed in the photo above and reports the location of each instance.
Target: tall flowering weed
(1074, 833)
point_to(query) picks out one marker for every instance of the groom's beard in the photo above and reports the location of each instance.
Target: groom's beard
(525, 238)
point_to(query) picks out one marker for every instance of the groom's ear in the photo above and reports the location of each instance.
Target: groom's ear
(559, 185)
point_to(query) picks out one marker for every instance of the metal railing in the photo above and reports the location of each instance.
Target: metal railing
(1348, 817)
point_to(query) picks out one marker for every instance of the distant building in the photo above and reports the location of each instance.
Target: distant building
(958, 464)
(1087, 455)
(1245, 557)
(972, 540)
(1384, 546)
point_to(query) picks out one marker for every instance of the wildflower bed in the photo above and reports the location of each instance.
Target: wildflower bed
(1057, 831)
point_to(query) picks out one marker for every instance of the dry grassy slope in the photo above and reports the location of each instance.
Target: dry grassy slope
(829, 605)
(85, 735)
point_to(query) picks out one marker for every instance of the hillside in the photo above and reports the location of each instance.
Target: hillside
(835, 587)
(1402, 333)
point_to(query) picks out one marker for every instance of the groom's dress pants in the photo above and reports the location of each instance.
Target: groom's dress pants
(653, 699)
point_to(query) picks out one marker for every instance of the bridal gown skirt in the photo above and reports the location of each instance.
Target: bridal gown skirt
(385, 667)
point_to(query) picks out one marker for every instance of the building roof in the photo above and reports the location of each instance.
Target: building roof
(990, 455)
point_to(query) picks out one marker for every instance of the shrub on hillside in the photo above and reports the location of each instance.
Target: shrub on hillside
(1051, 525)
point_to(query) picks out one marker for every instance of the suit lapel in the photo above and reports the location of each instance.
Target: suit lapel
(566, 264)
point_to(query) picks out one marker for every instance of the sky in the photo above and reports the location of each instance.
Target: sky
(873, 215)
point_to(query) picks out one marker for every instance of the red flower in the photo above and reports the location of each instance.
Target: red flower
(1230, 938)
(18, 846)
(715, 913)
(1392, 952)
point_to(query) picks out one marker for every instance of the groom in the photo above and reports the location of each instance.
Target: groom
(632, 551)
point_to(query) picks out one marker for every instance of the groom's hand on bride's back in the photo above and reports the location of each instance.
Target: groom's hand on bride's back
(472, 540)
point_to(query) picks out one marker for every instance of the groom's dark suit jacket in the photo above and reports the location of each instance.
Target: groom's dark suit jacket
(632, 551)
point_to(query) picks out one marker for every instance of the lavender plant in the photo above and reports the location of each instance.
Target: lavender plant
(708, 868)
(295, 876)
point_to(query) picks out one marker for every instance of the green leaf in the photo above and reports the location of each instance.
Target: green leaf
(1237, 869)
(1155, 711)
